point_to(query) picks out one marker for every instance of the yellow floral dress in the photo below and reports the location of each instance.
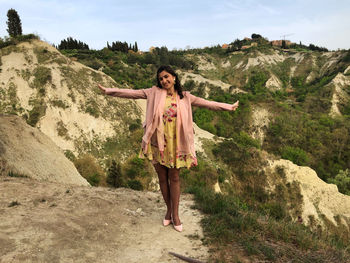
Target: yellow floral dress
(170, 158)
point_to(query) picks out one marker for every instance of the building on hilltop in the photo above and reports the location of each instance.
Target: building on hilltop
(279, 43)
(225, 46)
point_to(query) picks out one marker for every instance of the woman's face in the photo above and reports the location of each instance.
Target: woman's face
(167, 80)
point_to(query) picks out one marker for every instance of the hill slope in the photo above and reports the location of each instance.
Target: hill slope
(60, 97)
(24, 150)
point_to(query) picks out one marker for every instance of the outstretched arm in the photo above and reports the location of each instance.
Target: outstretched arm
(124, 93)
(212, 105)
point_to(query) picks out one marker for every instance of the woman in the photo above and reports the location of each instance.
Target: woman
(168, 139)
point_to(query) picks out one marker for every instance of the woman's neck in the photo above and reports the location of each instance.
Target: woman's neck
(171, 91)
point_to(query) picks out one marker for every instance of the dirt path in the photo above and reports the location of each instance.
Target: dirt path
(50, 222)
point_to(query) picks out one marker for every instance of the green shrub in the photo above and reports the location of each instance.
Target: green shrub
(256, 83)
(59, 104)
(114, 175)
(36, 113)
(135, 185)
(342, 180)
(94, 179)
(189, 85)
(135, 167)
(42, 76)
(88, 167)
(70, 155)
(13, 174)
(135, 125)
(296, 155)
(275, 209)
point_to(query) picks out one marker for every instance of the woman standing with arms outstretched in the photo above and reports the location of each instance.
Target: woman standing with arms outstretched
(168, 139)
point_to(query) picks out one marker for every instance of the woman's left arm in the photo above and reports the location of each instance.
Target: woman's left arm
(212, 105)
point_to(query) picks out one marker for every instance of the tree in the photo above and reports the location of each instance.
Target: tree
(114, 175)
(71, 43)
(342, 180)
(14, 23)
(284, 45)
(256, 36)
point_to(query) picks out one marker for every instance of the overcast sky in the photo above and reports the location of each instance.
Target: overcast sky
(183, 23)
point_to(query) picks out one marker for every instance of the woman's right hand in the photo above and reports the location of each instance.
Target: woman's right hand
(103, 89)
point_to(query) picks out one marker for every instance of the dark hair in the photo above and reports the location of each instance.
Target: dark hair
(177, 85)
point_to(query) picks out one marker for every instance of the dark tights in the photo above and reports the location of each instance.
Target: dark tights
(169, 183)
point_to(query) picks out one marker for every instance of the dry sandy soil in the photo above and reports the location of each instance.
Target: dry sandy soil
(51, 222)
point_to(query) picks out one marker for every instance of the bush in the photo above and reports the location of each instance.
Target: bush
(70, 155)
(135, 185)
(42, 76)
(36, 113)
(114, 176)
(236, 150)
(88, 167)
(342, 180)
(296, 155)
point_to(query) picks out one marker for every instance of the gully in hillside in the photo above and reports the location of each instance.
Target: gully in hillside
(168, 140)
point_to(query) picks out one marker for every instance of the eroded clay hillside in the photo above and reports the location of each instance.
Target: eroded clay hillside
(60, 97)
(286, 90)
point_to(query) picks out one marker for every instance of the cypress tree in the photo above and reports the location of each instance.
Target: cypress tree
(14, 23)
(114, 175)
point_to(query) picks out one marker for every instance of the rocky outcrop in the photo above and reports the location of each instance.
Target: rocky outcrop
(25, 151)
(273, 83)
(318, 204)
(340, 95)
(260, 123)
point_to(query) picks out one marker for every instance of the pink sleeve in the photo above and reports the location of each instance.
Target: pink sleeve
(128, 93)
(212, 105)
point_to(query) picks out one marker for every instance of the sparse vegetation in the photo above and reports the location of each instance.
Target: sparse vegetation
(38, 110)
(42, 76)
(14, 174)
(62, 130)
(89, 168)
(342, 180)
(59, 103)
(245, 215)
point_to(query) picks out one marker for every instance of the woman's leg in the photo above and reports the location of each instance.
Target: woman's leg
(175, 194)
(162, 172)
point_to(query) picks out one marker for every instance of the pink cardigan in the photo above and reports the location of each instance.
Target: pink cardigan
(154, 113)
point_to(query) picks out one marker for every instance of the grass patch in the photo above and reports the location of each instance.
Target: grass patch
(62, 130)
(44, 55)
(13, 174)
(228, 220)
(42, 76)
(38, 110)
(59, 104)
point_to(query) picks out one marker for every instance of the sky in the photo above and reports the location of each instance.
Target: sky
(182, 24)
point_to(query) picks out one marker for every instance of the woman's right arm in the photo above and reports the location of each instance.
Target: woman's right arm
(124, 93)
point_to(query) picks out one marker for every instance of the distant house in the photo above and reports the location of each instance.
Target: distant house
(278, 43)
(225, 46)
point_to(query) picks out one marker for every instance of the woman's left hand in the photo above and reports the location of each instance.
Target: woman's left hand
(235, 105)
(103, 89)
